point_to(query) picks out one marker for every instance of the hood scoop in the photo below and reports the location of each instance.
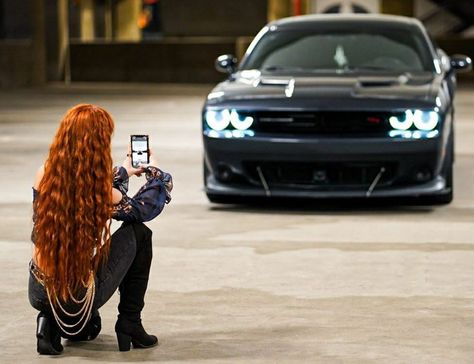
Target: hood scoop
(404, 79)
(288, 84)
(273, 82)
(379, 82)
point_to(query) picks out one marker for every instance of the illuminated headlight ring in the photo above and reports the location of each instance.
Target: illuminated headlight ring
(240, 122)
(425, 120)
(422, 120)
(219, 120)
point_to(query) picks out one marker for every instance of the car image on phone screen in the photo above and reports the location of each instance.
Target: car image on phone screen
(140, 150)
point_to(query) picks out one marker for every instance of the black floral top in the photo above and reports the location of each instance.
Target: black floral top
(150, 199)
(147, 203)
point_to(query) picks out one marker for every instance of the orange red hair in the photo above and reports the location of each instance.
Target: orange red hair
(74, 204)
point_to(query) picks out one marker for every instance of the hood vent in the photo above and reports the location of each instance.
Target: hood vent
(378, 83)
(273, 82)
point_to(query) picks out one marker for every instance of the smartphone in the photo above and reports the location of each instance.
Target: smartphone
(140, 150)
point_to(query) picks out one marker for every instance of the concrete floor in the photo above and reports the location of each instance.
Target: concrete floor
(247, 284)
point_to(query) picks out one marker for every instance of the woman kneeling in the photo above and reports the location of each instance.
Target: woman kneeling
(77, 264)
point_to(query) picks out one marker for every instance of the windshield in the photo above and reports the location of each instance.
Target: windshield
(400, 50)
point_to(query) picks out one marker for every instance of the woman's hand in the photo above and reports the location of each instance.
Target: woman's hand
(127, 164)
(153, 162)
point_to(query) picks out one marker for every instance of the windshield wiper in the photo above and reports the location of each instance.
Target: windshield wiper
(282, 68)
(347, 68)
(370, 68)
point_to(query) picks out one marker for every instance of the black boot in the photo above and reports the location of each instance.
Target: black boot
(129, 327)
(133, 332)
(47, 335)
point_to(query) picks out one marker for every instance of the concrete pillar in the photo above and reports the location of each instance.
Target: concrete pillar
(63, 41)
(397, 7)
(87, 16)
(126, 26)
(2, 20)
(39, 43)
(108, 20)
(306, 6)
(279, 9)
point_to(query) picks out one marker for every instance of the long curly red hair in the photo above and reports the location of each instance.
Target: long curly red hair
(74, 204)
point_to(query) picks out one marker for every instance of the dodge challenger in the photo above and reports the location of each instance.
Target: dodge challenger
(334, 106)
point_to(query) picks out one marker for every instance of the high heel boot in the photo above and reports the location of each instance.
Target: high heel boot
(134, 333)
(47, 335)
(132, 290)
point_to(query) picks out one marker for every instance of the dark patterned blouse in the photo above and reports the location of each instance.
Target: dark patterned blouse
(147, 203)
(150, 199)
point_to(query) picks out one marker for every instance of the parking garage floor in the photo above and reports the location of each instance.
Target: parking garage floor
(251, 284)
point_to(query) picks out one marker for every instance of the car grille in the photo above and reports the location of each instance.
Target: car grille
(321, 175)
(323, 123)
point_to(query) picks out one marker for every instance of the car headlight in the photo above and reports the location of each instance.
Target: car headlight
(240, 122)
(425, 120)
(220, 120)
(403, 123)
(217, 119)
(422, 120)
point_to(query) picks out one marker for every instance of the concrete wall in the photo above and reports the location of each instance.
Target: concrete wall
(15, 63)
(453, 45)
(15, 44)
(16, 19)
(456, 45)
(211, 17)
(179, 60)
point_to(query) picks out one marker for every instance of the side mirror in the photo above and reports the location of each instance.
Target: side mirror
(226, 63)
(461, 63)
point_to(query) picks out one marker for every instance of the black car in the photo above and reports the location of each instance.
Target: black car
(334, 106)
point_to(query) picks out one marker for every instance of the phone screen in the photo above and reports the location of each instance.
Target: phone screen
(140, 150)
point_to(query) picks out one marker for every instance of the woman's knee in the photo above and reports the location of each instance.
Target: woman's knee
(143, 236)
(37, 295)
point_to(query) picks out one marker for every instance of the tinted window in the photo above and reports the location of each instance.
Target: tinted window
(382, 49)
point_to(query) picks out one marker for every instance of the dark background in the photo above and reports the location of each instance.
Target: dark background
(179, 47)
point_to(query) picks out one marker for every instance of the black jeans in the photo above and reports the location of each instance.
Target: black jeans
(123, 250)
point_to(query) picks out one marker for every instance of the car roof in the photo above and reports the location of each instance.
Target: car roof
(307, 21)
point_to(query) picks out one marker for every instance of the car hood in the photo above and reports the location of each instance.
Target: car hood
(253, 89)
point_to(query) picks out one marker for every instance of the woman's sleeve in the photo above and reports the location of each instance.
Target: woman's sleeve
(120, 181)
(148, 202)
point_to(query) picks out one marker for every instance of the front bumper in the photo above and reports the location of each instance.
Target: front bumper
(327, 167)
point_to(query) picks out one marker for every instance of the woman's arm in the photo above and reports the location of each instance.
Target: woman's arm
(116, 196)
(149, 201)
(119, 184)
